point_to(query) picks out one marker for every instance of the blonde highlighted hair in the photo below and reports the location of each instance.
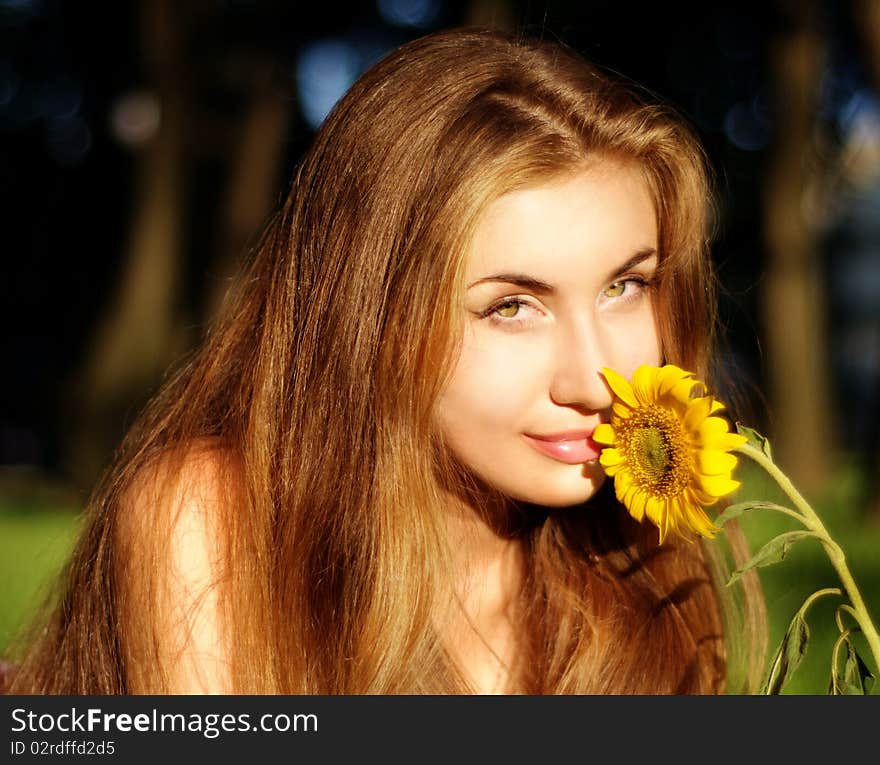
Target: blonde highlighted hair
(311, 402)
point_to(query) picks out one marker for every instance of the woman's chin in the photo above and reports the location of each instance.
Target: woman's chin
(564, 493)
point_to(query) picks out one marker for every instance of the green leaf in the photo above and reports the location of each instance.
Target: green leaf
(755, 439)
(792, 649)
(852, 681)
(774, 551)
(857, 678)
(745, 507)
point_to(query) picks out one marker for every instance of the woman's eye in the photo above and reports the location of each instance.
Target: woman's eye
(631, 287)
(508, 310)
(510, 313)
(615, 289)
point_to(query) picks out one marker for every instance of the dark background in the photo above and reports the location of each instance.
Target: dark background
(68, 177)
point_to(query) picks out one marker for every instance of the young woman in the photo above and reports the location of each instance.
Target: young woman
(376, 475)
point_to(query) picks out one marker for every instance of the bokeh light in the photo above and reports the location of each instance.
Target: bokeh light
(410, 13)
(135, 118)
(745, 127)
(325, 70)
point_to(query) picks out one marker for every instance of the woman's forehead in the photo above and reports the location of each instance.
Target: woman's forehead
(555, 230)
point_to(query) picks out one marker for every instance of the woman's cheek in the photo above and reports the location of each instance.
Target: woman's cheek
(634, 343)
(493, 388)
(509, 377)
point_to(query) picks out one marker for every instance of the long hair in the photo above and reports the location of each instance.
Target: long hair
(312, 401)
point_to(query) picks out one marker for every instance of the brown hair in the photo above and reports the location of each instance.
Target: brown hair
(311, 402)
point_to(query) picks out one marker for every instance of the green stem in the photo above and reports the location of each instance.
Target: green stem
(835, 655)
(812, 521)
(848, 609)
(815, 596)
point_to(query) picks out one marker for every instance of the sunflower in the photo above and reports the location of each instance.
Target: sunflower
(665, 449)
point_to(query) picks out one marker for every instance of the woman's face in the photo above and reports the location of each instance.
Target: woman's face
(558, 285)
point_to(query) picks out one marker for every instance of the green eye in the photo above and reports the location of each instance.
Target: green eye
(616, 289)
(507, 310)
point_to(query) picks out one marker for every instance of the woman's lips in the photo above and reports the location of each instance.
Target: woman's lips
(572, 447)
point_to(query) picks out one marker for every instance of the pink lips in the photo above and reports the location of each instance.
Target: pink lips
(572, 447)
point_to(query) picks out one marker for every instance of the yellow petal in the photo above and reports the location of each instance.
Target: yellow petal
(712, 426)
(717, 485)
(604, 434)
(622, 389)
(699, 522)
(703, 499)
(682, 391)
(724, 442)
(704, 524)
(696, 413)
(622, 481)
(717, 406)
(610, 457)
(664, 520)
(637, 505)
(670, 375)
(687, 505)
(620, 410)
(690, 499)
(654, 509)
(629, 497)
(643, 385)
(711, 462)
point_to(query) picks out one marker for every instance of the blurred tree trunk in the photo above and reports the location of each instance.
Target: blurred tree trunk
(495, 14)
(793, 301)
(867, 19)
(252, 190)
(139, 333)
(867, 22)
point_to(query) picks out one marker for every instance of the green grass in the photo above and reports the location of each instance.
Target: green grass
(36, 537)
(34, 544)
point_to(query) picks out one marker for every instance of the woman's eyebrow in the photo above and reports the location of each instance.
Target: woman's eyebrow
(639, 257)
(520, 280)
(536, 285)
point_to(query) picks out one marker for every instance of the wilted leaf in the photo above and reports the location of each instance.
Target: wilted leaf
(755, 439)
(857, 678)
(837, 683)
(774, 551)
(792, 649)
(745, 507)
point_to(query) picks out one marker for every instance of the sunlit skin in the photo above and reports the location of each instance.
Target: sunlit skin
(558, 286)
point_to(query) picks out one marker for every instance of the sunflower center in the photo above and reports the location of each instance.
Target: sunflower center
(651, 451)
(655, 445)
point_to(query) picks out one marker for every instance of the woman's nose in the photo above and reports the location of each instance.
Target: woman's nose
(577, 379)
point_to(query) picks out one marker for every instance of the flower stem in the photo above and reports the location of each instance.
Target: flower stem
(812, 521)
